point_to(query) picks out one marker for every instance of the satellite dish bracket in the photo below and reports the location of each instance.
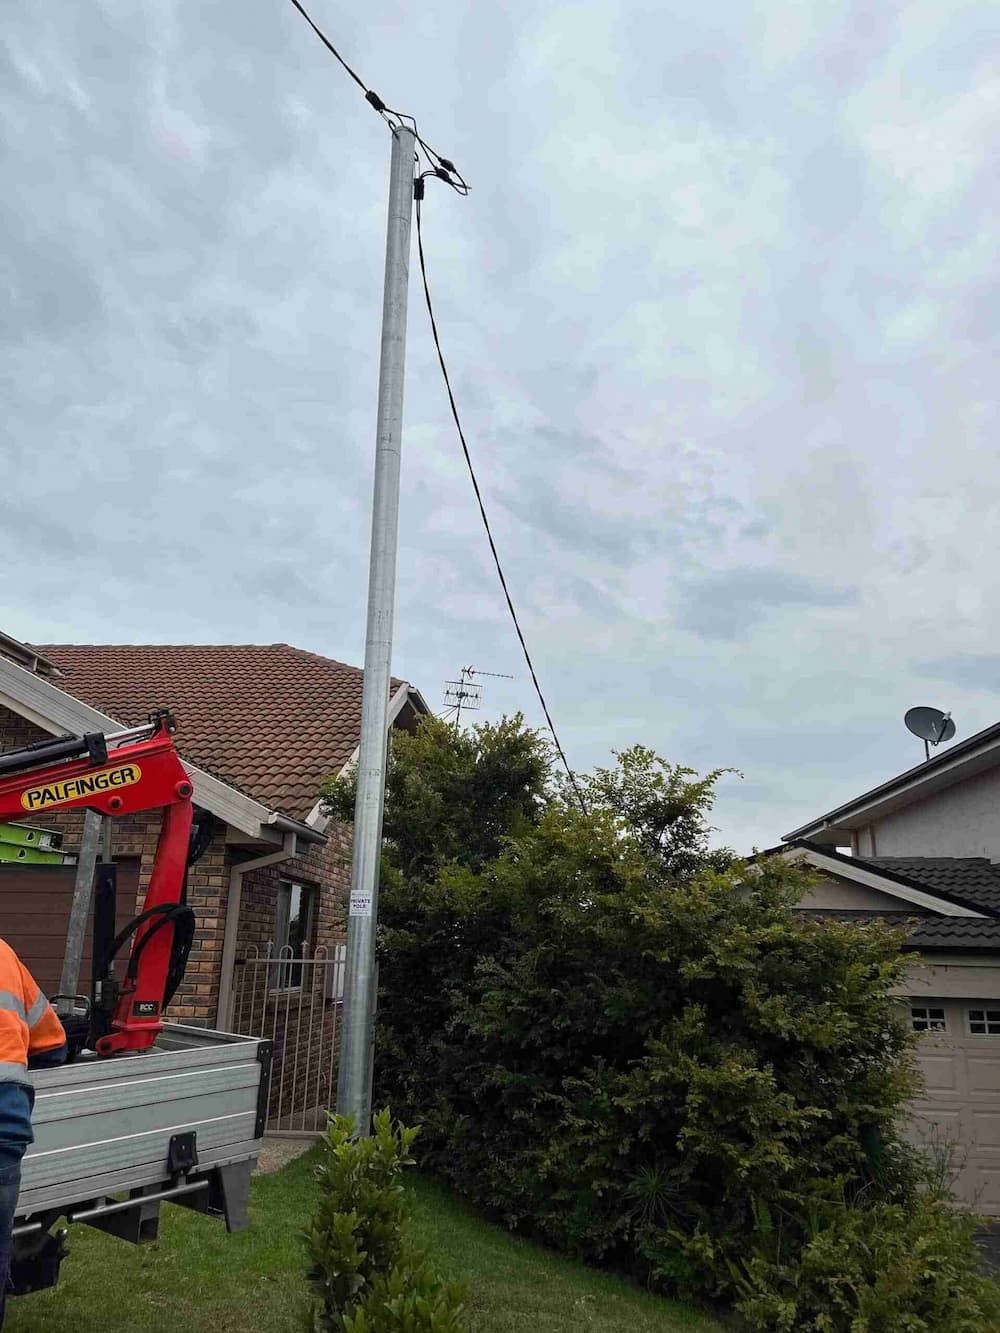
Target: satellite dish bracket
(931, 725)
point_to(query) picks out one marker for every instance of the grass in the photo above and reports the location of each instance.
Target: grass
(513, 1284)
(196, 1279)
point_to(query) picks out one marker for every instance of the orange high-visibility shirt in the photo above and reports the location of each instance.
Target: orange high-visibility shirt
(28, 1023)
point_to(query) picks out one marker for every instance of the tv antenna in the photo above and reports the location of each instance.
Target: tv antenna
(466, 693)
(931, 725)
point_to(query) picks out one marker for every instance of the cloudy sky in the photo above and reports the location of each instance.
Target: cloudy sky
(720, 311)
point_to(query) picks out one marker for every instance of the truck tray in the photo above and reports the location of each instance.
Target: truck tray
(181, 1121)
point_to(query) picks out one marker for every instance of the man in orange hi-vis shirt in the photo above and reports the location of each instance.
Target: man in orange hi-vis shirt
(31, 1037)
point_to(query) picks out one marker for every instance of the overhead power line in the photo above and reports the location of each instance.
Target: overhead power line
(482, 507)
(369, 96)
(441, 167)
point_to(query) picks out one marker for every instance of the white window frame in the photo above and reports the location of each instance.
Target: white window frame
(284, 973)
(933, 1016)
(990, 1024)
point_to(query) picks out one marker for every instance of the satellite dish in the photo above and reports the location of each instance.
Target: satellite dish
(931, 725)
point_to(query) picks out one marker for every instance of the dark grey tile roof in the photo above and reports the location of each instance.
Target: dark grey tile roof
(956, 932)
(966, 881)
(930, 932)
(869, 914)
(974, 879)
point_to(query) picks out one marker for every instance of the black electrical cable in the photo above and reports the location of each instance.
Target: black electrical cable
(333, 50)
(441, 167)
(202, 831)
(482, 507)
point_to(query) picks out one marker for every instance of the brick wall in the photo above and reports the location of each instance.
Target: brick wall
(326, 867)
(16, 732)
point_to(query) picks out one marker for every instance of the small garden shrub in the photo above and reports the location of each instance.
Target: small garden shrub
(365, 1273)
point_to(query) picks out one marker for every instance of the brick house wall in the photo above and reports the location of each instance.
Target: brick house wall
(16, 732)
(325, 867)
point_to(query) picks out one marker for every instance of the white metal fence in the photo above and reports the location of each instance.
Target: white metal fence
(295, 1001)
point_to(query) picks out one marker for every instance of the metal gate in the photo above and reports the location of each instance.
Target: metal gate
(295, 1001)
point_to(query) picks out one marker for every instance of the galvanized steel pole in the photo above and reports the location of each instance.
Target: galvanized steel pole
(79, 915)
(357, 1030)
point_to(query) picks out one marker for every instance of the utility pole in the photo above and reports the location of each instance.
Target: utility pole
(357, 1031)
(83, 888)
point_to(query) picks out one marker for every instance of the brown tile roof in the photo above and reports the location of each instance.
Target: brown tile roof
(271, 720)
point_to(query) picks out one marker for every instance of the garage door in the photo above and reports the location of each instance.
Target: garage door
(959, 1056)
(35, 902)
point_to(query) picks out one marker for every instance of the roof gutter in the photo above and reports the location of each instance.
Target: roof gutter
(414, 696)
(24, 655)
(960, 761)
(299, 830)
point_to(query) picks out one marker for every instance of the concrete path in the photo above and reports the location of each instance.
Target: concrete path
(277, 1152)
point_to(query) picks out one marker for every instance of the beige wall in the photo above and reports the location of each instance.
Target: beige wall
(963, 820)
(961, 977)
(846, 896)
(864, 843)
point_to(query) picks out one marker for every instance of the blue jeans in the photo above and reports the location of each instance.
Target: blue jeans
(10, 1183)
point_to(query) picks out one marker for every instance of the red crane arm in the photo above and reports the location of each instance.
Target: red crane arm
(119, 775)
(136, 774)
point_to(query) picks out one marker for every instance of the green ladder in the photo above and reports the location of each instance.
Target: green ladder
(31, 846)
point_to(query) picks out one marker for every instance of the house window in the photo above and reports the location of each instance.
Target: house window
(293, 927)
(924, 1019)
(984, 1022)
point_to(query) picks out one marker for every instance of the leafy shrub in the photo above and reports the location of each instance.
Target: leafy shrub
(365, 1275)
(410, 1299)
(632, 1047)
(869, 1269)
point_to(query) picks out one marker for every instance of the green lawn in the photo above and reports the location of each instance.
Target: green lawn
(513, 1284)
(197, 1279)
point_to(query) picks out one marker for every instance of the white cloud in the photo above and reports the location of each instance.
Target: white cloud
(717, 311)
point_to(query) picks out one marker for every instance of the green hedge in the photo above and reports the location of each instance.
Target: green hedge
(868, 1269)
(632, 1048)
